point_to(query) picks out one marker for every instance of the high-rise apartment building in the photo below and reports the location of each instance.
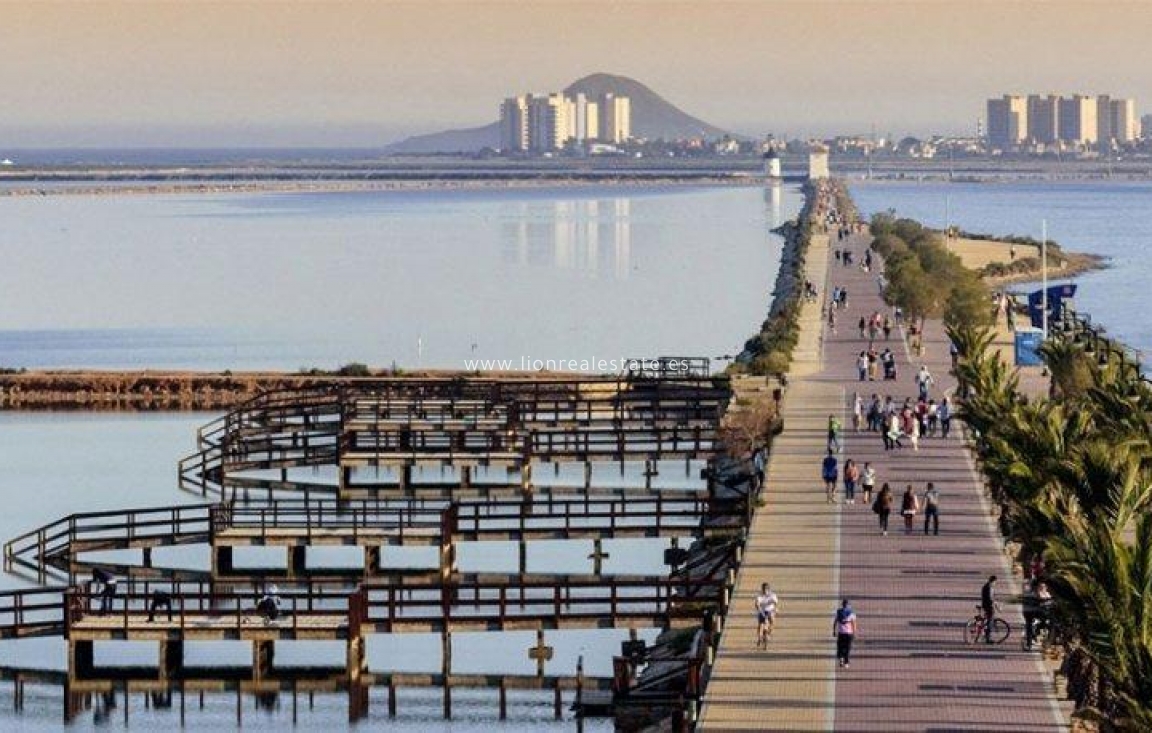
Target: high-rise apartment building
(1044, 118)
(514, 125)
(1122, 122)
(616, 118)
(548, 122)
(1078, 120)
(585, 118)
(545, 123)
(1007, 121)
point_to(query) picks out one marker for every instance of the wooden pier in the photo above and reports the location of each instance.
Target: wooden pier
(470, 426)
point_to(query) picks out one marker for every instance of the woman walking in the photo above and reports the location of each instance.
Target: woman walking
(851, 476)
(868, 482)
(883, 507)
(857, 411)
(844, 629)
(908, 507)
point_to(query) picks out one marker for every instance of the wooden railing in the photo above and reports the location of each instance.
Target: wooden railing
(393, 605)
(55, 544)
(35, 612)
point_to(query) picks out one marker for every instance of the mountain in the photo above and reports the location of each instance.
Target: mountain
(468, 140)
(653, 117)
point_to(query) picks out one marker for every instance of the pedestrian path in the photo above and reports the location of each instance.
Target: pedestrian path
(911, 669)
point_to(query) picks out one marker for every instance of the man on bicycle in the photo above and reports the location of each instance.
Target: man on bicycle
(988, 605)
(766, 605)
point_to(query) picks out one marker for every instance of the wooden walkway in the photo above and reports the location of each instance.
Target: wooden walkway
(911, 670)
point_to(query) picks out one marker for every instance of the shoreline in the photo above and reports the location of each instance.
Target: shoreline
(93, 390)
(71, 188)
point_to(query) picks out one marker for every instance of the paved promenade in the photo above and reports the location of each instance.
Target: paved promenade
(913, 593)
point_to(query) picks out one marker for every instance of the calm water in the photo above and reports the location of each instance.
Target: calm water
(1111, 219)
(55, 464)
(414, 278)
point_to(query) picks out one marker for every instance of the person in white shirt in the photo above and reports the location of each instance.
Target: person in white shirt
(766, 606)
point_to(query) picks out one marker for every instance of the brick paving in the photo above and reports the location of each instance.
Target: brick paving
(911, 669)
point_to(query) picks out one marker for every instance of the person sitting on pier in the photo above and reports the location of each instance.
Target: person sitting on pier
(269, 605)
(104, 585)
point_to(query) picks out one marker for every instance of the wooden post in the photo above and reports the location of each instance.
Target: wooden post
(298, 561)
(580, 694)
(222, 561)
(503, 698)
(587, 475)
(372, 560)
(446, 670)
(263, 653)
(82, 659)
(171, 659)
(391, 698)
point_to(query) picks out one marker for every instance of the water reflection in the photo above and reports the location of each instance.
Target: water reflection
(772, 202)
(588, 235)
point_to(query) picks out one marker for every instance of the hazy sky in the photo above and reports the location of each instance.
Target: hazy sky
(365, 73)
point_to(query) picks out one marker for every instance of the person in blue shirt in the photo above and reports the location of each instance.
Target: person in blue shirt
(830, 471)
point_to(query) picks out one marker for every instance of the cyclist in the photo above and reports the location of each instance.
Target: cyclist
(988, 606)
(766, 606)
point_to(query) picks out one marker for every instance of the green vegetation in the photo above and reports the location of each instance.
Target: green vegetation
(1072, 474)
(924, 278)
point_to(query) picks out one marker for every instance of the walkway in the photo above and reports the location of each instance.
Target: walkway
(911, 669)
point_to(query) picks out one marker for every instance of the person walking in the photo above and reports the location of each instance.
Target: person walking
(834, 432)
(923, 381)
(766, 606)
(857, 411)
(909, 505)
(830, 471)
(862, 325)
(887, 328)
(883, 507)
(851, 476)
(944, 412)
(862, 366)
(844, 628)
(867, 482)
(931, 509)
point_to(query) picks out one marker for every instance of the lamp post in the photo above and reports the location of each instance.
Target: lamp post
(1044, 278)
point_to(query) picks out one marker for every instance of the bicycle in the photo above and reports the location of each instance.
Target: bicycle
(977, 630)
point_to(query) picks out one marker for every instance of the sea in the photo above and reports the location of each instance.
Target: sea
(1112, 219)
(456, 279)
(303, 280)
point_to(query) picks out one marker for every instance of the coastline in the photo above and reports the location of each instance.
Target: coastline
(624, 181)
(183, 391)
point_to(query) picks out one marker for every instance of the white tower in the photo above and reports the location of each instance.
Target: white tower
(772, 166)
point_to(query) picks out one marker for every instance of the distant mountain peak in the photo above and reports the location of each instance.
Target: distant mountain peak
(653, 117)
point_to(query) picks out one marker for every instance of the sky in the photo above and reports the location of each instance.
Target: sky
(336, 74)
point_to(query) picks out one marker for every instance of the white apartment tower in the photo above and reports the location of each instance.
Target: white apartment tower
(1078, 120)
(1044, 118)
(1007, 121)
(547, 123)
(585, 118)
(514, 125)
(1122, 121)
(615, 118)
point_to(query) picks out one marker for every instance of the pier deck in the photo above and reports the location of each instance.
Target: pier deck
(910, 669)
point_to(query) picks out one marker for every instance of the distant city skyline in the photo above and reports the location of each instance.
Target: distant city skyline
(336, 74)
